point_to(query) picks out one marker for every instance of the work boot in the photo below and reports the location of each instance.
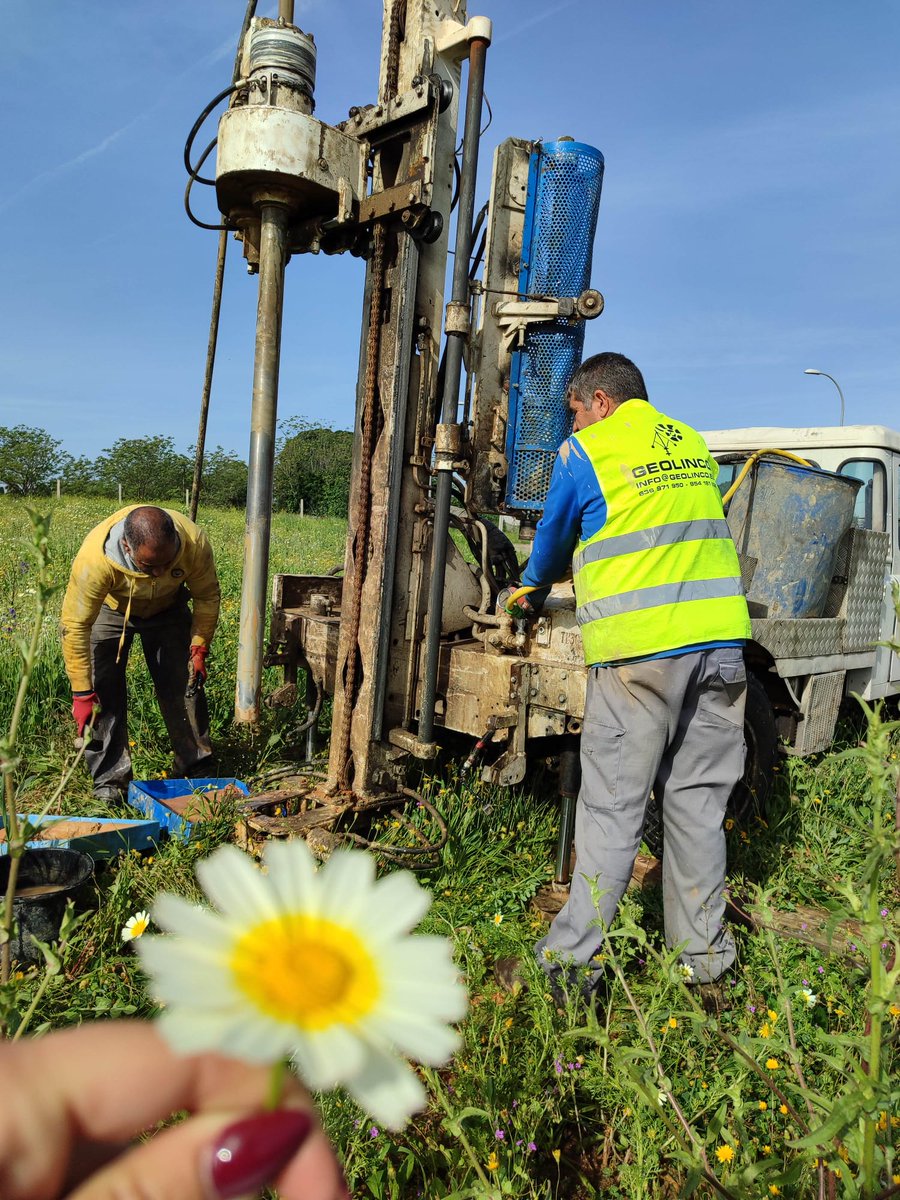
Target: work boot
(715, 997)
(110, 794)
(508, 974)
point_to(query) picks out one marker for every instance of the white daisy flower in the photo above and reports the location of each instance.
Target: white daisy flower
(315, 965)
(135, 926)
(498, 918)
(809, 997)
(686, 971)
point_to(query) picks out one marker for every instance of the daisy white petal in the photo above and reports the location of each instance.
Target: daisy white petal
(177, 915)
(330, 1057)
(388, 1090)
(234, 885)
(397, 904)
(348, 880)
(135, 926)
(429, 1042)
(293, 875)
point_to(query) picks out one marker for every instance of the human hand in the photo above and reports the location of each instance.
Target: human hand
(83, 710)
(79, 1099)
(518, 605)
(197, 671)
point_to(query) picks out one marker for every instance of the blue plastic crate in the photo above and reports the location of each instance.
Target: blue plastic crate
(129, 834)
(154, 796)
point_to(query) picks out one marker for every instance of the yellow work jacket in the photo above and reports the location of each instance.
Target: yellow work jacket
(96, 580)
(662, 573)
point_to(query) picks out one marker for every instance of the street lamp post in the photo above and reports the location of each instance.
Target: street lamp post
(813, 371)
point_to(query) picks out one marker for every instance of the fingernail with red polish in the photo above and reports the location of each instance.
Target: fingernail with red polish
(250, 1153)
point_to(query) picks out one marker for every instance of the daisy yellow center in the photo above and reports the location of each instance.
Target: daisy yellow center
(306, 970)
(138, 926)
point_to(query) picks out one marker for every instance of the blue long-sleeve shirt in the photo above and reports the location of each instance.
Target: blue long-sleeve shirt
(575, 510)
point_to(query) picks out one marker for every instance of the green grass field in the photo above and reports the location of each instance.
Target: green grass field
(793, 1091)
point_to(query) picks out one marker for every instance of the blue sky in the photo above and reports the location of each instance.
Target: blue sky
(748, 226)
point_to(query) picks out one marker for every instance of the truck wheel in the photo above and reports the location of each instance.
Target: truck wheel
(751, 792)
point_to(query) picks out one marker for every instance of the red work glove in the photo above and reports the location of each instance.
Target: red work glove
(197, 671)
(83, 704)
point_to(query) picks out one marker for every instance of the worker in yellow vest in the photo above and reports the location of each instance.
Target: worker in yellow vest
(634, 506)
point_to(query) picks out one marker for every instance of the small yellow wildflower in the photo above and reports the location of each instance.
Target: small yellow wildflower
(493, 1162)
(839, 1011)
(774, 1189)
(772, 1015)
(498, 917)
(724, 1154)
(556, 1154)
(783, 1109)
(772, 1064)
(765, 1030)
(673, 1023)
(507, 1023)
(763, 1106)
(767, 1149)
(894, 1010)
(895, 1179)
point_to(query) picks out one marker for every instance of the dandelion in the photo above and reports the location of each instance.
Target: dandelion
(767, 1149)
(772, 1015)
(135, 926)
(894, 1010)
(672, 1023)
(772, 1064)
(724, 1154)
(493, 1161)
(315, 965)
(774, 1189)
(763, 1106)
(783, 1109)
(765, 1030)
(498, 917)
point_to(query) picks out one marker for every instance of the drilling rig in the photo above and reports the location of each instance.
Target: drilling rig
(459, 406)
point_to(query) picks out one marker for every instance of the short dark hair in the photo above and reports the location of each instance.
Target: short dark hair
(611, 373)
(149, 526)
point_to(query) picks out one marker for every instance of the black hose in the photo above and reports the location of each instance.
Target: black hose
(195, 129)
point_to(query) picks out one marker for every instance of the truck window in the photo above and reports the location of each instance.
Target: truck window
(870, 511)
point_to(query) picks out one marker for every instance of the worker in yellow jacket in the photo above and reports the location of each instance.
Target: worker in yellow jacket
(135, 574)
(634, 507)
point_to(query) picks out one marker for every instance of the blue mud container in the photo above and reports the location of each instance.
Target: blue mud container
(179, 805)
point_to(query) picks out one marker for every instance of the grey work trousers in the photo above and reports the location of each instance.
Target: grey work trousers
(673, 726)
(165, 640)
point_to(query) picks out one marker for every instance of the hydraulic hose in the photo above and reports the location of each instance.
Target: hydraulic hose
(453, 375)
(751, 462)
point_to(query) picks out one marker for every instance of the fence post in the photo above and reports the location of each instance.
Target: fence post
(301, 506)
(58, 488)
(120, 493)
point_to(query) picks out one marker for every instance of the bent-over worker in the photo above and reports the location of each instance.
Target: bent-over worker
(661, 609)
(134, 576)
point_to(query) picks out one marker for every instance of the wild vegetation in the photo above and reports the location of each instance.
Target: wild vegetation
(793, 1090)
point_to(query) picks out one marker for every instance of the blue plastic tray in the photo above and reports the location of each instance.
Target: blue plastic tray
(105, 843)
(150, 796)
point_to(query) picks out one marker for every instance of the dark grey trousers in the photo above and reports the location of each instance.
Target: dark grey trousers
(165, 640)
(673, 726)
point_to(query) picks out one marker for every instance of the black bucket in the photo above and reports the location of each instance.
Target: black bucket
(47, 880)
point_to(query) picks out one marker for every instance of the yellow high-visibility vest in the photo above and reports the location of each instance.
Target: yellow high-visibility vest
(663, 572)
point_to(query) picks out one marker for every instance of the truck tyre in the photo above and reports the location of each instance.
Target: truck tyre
(751, 792)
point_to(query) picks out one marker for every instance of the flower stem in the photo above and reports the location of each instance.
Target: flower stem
(276, 1083)
(455, 1127)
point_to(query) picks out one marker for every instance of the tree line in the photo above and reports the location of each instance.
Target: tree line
(312, 468)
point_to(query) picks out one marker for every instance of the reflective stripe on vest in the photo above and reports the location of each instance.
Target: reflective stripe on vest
(647, 539)
(663, 572)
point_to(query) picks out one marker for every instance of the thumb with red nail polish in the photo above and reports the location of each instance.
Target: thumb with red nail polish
(95, 1093)
(252, 1152)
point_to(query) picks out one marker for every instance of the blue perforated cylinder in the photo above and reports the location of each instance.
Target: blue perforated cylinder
(564, 183)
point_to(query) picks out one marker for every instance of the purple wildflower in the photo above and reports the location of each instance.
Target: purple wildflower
(499, 1135)
(558, 1067)
(752, 1007)
(884, 912)
(531, 1147)
(374, 1131)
